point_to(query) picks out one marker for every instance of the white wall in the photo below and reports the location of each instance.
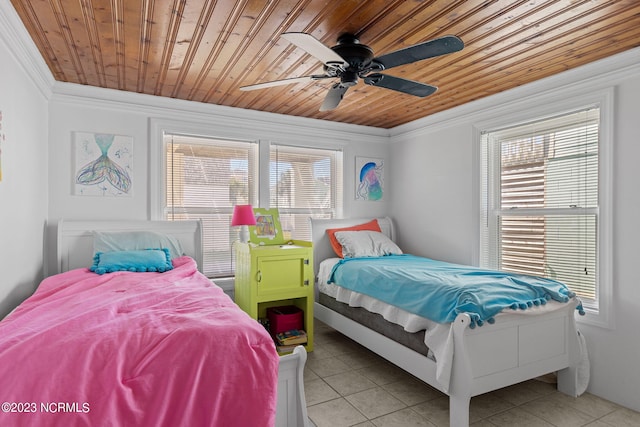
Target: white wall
(23, 189)
(81, 108)
(435, 185)
(615, 353)
(432, 194)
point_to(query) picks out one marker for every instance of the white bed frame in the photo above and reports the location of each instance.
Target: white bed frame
(75, 250)
(514, 349)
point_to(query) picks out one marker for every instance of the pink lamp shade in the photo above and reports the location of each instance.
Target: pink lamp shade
(243, 215)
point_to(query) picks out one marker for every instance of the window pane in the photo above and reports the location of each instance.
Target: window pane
(207, 173)
(571, 252)
(554, 167)
(304, 182)
(572, 174)
(205, 178)
(560, 247)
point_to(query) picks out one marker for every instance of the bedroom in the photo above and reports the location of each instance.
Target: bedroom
(39, 117)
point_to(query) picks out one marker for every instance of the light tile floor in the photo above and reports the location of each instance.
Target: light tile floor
(347, 385)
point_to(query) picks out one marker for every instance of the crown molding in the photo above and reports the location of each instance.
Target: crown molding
(19, 43)
(164, 107)
(587, 78)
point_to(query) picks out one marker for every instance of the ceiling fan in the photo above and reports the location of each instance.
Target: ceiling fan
(350, 60)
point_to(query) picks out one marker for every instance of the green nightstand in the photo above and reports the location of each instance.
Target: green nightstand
(275, 275)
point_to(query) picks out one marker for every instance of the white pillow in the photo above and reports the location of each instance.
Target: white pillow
(366, 244)
(134, 241)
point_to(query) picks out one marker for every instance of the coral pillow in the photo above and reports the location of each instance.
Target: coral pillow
(337, 247)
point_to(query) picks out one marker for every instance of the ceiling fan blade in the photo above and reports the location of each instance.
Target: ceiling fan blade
(334, 96)
(314, 47)
(401, 85)
(418, 52)
(280, 82)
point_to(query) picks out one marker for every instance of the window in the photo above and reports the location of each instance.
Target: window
(304, 182)
(540, 200)
(205, 178)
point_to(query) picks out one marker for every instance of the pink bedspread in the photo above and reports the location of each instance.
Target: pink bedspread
(135, 349)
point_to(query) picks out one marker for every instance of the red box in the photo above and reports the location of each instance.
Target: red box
(285, 318)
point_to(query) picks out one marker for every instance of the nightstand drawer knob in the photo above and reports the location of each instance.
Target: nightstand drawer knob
(259, 276)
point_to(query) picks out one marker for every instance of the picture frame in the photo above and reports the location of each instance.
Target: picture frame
(369, 179)
(103, 164)
(268, 230)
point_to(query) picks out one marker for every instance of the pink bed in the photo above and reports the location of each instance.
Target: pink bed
(156, 349)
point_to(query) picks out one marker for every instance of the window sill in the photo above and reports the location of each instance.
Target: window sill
(595, 317)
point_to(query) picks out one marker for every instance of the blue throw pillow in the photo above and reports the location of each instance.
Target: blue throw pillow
(137, 261)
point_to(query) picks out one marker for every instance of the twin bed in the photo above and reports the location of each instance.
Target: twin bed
(137, 347)
(461, 358)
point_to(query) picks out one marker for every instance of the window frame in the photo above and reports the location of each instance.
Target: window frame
(157, 159)
(604, 99)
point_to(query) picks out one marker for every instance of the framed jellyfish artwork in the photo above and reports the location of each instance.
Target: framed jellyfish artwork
(103, 165)
(369, 178)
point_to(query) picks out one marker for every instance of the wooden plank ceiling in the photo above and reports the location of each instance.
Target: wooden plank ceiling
(204, 50)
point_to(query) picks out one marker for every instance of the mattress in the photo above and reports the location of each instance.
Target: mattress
(374, 321)
(416, 332)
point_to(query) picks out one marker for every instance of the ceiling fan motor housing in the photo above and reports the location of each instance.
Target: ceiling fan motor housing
(358, 55)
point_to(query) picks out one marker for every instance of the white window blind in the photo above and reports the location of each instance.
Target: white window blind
(304, 182)
(205, 178)
(540, 208)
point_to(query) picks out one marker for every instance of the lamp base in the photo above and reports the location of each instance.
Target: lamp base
(244, 233)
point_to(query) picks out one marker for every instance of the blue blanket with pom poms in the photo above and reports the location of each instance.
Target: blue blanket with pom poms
(440, 291)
